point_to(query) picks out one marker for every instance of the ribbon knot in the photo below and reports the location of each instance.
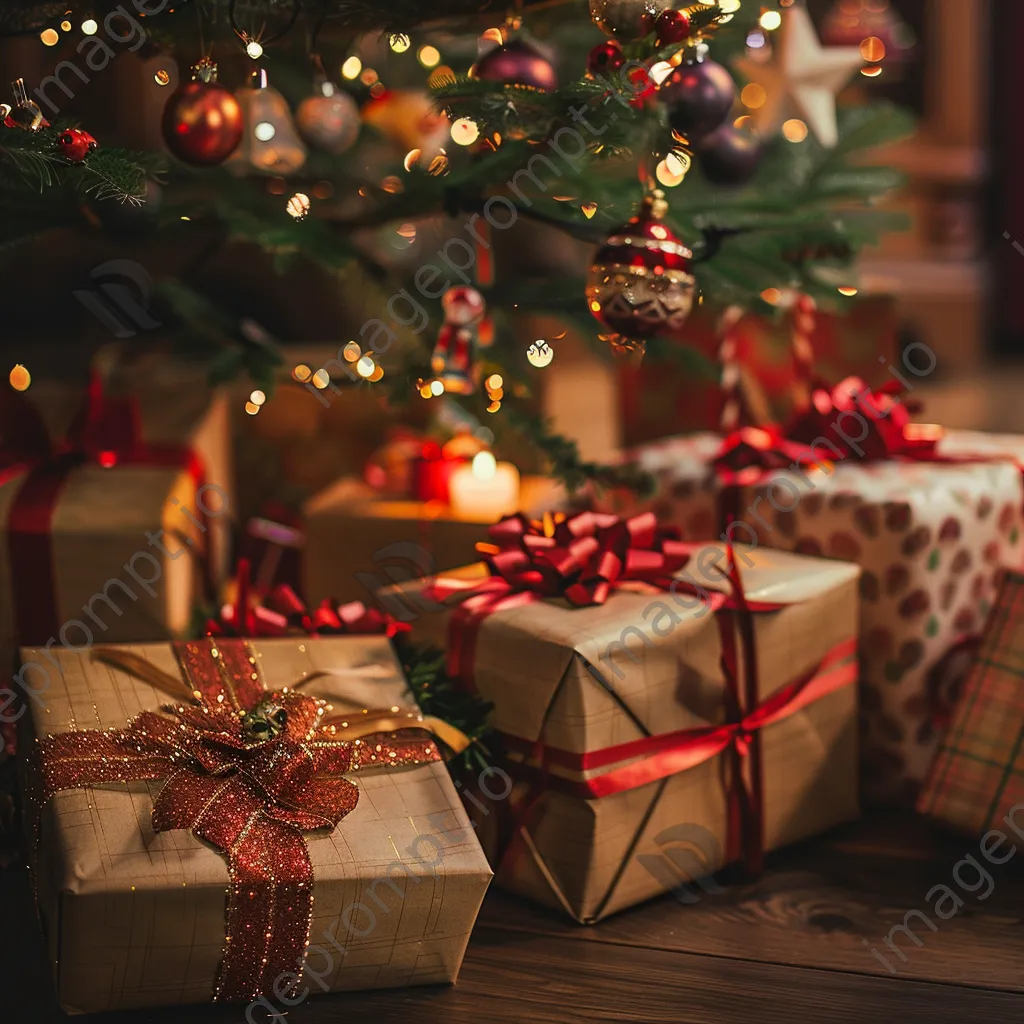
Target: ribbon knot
(743, 737)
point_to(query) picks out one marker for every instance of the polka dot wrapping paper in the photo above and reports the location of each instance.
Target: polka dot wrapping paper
(932, 540)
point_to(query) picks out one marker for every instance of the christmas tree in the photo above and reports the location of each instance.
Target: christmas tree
(698, 151)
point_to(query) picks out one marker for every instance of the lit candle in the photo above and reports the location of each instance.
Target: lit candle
(485, 490)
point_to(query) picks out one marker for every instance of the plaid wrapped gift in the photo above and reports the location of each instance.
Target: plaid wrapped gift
(978, 775)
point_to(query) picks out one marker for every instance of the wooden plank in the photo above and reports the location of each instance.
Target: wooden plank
(819, 902)
(538, 979)
(787, 947)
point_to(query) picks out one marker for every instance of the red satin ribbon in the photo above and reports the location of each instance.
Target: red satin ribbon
(104, 432)
(251, 800)
(583, 559)
(283, 613)
(657, 757)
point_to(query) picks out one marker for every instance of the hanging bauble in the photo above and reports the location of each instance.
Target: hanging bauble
(517, 63)
(202, 121)
(640, 282)
(672, 26)
(628, 19)
(270, 143)
(729, 155)
(699, 96)
(75, 145)
(329, 119)
(25, 113)
(455, 359)
(606, 56)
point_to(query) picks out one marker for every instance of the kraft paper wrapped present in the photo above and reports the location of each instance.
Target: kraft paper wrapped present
(344, 830)
(357, 541)
(639, 719)
(931, 536)
(103, 534)
(977, 780)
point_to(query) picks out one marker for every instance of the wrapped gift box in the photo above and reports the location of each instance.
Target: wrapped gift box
(136, 909)
(111, 544)
(356, 540)
(931, 538)
(976, 782)
(611, 707)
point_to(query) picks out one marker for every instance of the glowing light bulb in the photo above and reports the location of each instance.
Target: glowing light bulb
(254, 49)
(351, 68)
(19, 378)
(465, 131)
(429, 56)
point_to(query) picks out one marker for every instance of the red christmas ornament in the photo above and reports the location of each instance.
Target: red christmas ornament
(202, 122)
(672, 27)
(75, 145)
(517, 63)
(640, 282)
(604, 57)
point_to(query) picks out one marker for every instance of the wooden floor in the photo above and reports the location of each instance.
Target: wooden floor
(788, 948)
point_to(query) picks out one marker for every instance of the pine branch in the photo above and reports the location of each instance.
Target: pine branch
(438, 694)
(31, 162)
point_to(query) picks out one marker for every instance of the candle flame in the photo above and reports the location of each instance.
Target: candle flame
(485, 466)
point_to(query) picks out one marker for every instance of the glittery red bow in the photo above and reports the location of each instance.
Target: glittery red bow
(282, 612)
(834, 412)
(248, 771)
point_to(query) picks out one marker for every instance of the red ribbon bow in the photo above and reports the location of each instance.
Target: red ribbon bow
(282, 613)
(583, 557)
(890, 433)
(250, 792)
